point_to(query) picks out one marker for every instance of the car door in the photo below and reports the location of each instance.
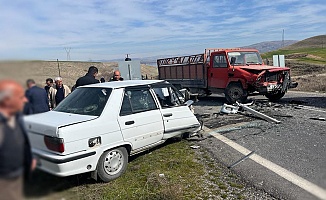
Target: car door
(140, 118)
(177, 116)
(218, 71)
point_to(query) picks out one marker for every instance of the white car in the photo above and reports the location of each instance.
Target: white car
(97, 127)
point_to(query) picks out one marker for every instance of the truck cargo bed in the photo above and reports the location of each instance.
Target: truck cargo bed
(187, 71)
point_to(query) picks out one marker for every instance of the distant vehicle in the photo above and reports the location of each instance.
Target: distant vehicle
(235, 72)
(97, 127)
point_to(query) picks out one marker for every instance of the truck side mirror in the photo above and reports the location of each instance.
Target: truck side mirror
(233, 59)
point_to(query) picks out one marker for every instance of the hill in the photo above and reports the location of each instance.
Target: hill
(310, 50)
(267, 46)
(307, 60)
(312, 42)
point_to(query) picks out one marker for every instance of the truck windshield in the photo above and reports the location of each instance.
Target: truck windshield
(246, 58)
(85, 101)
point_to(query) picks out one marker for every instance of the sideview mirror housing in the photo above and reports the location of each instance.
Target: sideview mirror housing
(233, 59)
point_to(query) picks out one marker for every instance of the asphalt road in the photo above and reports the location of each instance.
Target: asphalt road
(296, 146)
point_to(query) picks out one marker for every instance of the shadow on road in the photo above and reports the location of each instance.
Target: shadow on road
(319, 102)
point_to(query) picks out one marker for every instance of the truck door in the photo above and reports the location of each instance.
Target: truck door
(177, 117)
(218, 71)
(140, 119)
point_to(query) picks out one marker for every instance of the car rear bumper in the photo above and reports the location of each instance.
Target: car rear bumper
(67, 165)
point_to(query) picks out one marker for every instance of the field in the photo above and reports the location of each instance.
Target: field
(70, 71)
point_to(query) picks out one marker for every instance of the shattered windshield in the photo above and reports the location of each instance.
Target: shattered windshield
(246, 58)
(85, 101)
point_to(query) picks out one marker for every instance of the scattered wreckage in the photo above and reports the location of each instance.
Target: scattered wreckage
(230, 109)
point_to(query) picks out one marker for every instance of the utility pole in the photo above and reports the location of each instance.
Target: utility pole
(58, 67)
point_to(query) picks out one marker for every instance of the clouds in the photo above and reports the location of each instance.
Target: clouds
(106, 29)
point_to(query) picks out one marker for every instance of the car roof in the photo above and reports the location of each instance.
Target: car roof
(125, 83)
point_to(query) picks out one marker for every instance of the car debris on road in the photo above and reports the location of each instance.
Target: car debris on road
(230, 109)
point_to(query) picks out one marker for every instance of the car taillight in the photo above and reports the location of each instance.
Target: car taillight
(54, 144)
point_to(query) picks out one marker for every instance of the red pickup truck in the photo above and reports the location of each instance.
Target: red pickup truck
(235, 72)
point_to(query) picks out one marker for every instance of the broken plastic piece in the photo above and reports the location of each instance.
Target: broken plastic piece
(229, 109)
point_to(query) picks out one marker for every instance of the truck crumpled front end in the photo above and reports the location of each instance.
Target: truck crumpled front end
(273, 82)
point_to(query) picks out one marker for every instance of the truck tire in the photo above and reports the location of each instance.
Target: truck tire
(112, 164)
(234, 92)
(275, 97)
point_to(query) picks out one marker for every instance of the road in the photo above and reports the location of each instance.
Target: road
(289, 159)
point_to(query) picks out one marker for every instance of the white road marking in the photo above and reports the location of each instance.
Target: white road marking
(293, 178)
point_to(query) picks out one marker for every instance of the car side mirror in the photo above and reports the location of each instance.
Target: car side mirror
(189, 103)
(233, 59)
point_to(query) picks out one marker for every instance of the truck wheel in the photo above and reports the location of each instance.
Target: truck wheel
(112, 164)
(234, 92)
(275, 97)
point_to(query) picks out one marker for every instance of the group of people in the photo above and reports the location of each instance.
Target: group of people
(15, 151)
(42, 100)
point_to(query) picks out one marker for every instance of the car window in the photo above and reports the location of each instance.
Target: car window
(168, 96)
(85, 101)
(219, 61)
(137, 100)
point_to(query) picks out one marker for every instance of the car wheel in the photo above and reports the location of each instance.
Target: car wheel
(275, 97)
(234, 92)
(112, 164)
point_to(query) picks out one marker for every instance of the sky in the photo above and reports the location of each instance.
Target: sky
(109, 29)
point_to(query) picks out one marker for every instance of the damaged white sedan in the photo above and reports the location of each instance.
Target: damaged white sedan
(97, 127)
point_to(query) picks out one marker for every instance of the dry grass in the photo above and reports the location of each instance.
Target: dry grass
(312, 83)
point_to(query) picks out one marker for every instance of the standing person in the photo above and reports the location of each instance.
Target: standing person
(15, 151)
(38, 101)
(60, 92)
(116, 76)
(89, 78)
(48, 85)
(49, 89)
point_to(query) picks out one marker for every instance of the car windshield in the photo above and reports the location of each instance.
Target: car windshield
(85, 101)
(245, 58)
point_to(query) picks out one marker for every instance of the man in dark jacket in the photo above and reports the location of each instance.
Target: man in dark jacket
(38, 100)
(15, 151)
(89, 78)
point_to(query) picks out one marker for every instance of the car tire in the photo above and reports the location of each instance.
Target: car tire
(112, 164)
(275, 97)
(234, 92)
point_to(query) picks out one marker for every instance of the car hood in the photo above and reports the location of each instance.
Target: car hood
(48, 123)
(265, 67)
